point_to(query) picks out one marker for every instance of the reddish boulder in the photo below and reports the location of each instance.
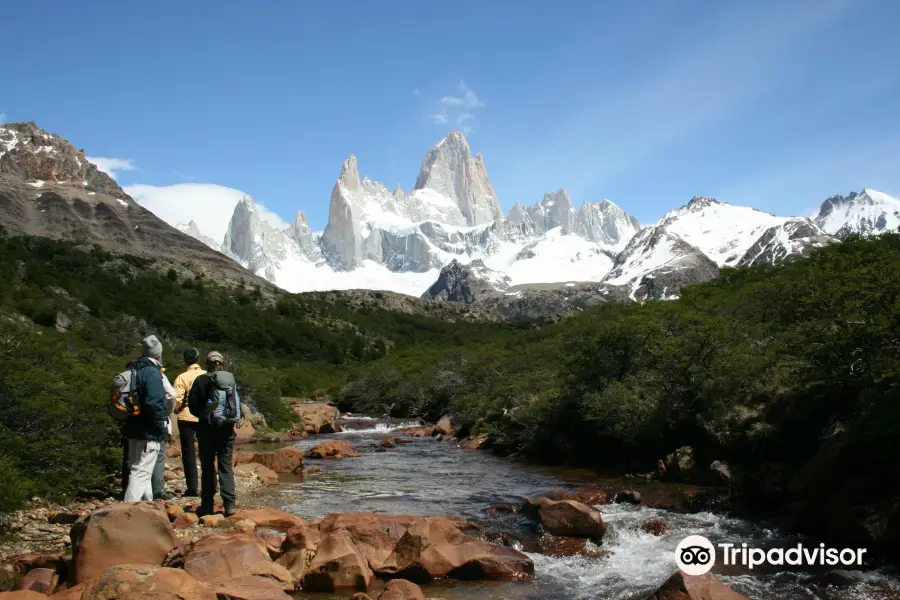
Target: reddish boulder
(434, 548)
(311, 470)
(271, 518)
(39, 580)
(265, 474)
(475, 443)
(532, 507)
(337, 565)
(22, 595)
(375, 535)
(174, 511)
(400, 589)
(106, 538)
(245, 432)
(388, 442)
(424, 431)
(242, 458)
(629, 497)
(186, 521)
(139, 582)
(298, 548)
(571, 518)
(688, 587)
(360, 596)
(222, 557)
(284, 460)
(654, 527)
(315, 417)
(251, 587)
(333, 449)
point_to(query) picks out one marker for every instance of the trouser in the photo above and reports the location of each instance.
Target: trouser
(158, 481)
(142, 458)
(216, 447)
(187, 433)
(126, 464)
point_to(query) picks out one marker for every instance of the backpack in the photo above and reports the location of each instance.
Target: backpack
(124, 402)
(224, 402)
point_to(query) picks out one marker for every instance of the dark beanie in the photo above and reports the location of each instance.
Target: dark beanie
(191, 355)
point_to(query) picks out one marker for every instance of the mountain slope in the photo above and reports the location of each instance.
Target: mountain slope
(50, 189)
(869, 212)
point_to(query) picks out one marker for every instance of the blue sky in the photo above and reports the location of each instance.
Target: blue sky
(774, 104)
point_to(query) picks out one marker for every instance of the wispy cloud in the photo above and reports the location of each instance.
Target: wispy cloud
(416, 92)
(457, 109)
(113, 166)
(466, 98)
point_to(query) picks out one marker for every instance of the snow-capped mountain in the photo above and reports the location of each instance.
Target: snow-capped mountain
(866, 213)
(399, 241)
(690, 244)
(405, 242)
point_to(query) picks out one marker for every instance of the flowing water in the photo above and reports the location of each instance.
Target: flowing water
(428, 477)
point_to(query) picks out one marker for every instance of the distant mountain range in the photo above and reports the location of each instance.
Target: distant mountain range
(446, 239)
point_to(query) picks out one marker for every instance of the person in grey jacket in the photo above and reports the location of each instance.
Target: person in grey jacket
(146, 431)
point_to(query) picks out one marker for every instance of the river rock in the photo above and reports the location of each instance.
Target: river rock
(245, 432)
(106, 538)
(271, 518)
(314, 416)
(298, 548)
(680, 465)
(688, 587)
(22, 595)
(434, 548)
(475, 443)
(388, 442)
(401, 589)
(266, 475)
(423, 431)
(139, 582)
(222, 557)
(186, 521)
(251, 587)
(572, 518)
(333, 449)
(444, 426)
(374, 534)
(284, 460)
(338, 565)
(532, 506)
(39, 580)
(629, 497)
(654, 527)
(212, 520)
(311, 470)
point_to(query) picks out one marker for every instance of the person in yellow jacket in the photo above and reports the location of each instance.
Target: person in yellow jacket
(187, 423)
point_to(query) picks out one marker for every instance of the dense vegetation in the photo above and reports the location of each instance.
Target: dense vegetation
(55, 437)
(760, 368)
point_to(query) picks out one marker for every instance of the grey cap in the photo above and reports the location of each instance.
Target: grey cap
(151, 347)
(215, 357)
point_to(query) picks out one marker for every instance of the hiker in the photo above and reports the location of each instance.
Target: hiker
(145, 431)
(216, 404)
(187, 422)
(158, 481)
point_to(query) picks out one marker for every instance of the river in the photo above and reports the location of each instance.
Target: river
(429, 477)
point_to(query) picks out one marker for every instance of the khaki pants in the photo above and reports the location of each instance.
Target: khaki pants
(141, 461)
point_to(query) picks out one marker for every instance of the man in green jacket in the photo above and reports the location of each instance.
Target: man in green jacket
(146, 431)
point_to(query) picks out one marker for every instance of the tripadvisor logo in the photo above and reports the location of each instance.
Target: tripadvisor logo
(696, 555)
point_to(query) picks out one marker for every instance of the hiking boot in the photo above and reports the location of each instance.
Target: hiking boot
(230, 511)
(165, 496)
(191, 494)
(202, 511)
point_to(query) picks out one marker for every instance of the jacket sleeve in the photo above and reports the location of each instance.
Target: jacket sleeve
(155, 402)
(171, 395)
